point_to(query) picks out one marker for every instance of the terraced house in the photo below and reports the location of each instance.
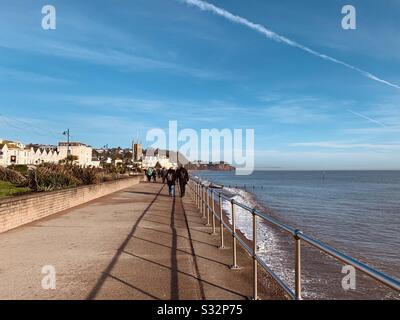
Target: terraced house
(12, 152)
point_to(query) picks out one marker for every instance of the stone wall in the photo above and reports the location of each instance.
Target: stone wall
(21, 210)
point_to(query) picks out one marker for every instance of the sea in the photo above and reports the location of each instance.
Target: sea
(355, 212)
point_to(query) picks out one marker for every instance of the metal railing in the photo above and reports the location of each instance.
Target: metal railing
(204, 198)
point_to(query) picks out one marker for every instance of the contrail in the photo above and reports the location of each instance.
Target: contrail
(367, 118)
(205, 6)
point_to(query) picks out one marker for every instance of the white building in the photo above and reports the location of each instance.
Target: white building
(17, 153)
(151, 161)
(83, 152)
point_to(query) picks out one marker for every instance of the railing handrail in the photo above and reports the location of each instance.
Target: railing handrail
(298, 236)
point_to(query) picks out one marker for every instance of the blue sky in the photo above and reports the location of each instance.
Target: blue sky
(112, 70)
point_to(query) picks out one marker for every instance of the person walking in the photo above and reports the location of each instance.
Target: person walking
(183, 178)
(171, 178)
(154, 174)
(149, 173)
(163, 174)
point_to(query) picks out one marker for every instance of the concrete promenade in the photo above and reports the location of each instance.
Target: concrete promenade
(138, 243)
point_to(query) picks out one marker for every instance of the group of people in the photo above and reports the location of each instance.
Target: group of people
(153, 174)
(171, 176)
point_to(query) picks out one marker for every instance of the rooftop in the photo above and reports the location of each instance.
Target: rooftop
(72, 144)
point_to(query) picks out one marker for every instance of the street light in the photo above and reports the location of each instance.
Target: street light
(67, 133)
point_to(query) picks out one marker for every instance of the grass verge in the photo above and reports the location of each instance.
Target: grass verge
(8, 190)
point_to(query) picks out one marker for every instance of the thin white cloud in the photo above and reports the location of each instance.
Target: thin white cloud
(18, 128)
(205, 6)
(124, 60)
(195, 111)
(374, 131)
(295, 114)
(117, 102)
(88, 128)
(346, 145)
(29, 76)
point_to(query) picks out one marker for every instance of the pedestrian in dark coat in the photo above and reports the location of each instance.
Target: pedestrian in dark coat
(171, 178)
(183, 178)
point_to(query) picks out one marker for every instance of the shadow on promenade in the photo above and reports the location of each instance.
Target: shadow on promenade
(106, 272)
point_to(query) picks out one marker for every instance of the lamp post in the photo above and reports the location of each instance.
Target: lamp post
(67, 133)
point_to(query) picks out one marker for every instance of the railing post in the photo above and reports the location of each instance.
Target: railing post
(198, 196)
(255, 263)
(297, 265)
(202, 201)
(221, 220)
(234, 249)
(193, 188)
(213, 212)
(196, 193)
(208, 206)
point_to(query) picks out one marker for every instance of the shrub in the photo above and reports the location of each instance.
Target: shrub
(21, 168)
(12, 176)
(109, 168)
(49, 178)
(88, 175)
